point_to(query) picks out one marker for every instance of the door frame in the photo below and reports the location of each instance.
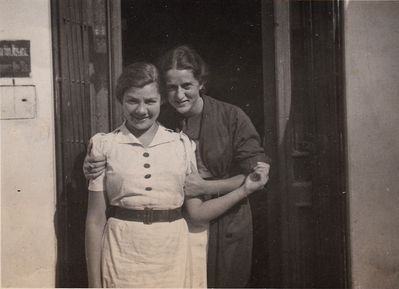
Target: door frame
(110, 118)
(284, 72)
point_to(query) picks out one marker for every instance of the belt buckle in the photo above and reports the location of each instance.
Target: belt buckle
(148, 216)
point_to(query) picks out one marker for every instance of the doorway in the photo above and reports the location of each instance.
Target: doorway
(228, 35)
(299, 220)
(212, 27)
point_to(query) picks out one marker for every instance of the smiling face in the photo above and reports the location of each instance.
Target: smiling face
(183, 91)
(141, 107)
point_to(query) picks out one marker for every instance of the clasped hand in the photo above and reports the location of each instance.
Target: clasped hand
(194, 185)
(253, 184)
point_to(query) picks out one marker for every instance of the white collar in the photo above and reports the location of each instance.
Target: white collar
(163, 135)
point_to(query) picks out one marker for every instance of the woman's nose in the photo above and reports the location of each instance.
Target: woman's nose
(180, 93)
(141, 109)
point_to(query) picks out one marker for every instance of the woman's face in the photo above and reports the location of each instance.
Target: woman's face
(183, 91)
(141, 107)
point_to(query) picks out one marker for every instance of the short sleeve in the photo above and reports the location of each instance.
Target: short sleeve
(189, 152)
(98, 145)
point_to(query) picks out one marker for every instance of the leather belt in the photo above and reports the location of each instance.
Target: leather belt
(147, 216)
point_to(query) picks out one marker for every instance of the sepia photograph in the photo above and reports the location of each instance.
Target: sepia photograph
(199, 143)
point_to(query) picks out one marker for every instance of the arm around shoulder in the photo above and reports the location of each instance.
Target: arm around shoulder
(95, 160)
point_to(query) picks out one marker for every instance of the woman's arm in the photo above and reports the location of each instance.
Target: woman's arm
(203, 212)
(195, 186)
(95, 223)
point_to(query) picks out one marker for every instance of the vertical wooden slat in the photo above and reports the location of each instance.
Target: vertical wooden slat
(83, 64)
(70, 78)
(86, 68)
(68, 104)
(283, 96)
(115, 61)
(75, 71)
(60, 215)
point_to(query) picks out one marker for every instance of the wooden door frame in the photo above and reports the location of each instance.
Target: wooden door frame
(283, 107)
(108, 121)
(273, 269)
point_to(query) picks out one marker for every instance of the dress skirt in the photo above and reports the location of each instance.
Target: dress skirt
(198, 235)
(138, 255)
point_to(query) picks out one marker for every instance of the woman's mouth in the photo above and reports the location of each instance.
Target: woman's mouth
(141, 118)
(182, 102)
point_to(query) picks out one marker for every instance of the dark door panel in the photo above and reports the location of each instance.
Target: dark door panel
(81, 109)
(314, 231)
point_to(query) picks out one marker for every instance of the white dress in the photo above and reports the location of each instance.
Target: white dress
(134, 254)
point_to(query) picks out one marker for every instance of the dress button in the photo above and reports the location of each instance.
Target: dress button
(148, 189)
(146, 166)
(147, 176)
(146, 155)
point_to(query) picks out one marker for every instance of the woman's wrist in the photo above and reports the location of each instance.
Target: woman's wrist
(206, 187)
(243, 191)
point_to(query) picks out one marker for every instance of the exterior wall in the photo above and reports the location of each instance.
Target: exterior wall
(28, 242)
(372, 85)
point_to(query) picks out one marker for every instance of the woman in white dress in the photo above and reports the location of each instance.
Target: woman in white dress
(144, 242)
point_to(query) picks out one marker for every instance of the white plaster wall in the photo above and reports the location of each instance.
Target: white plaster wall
(28, 241)
(372, 93)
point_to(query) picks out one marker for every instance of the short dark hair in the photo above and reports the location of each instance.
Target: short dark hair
(137, 74)
(184, 57)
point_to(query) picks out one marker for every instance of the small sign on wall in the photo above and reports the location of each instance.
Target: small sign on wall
(15, 58)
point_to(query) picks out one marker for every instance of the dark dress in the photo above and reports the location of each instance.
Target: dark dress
(228, 145)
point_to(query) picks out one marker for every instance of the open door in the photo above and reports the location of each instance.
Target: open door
(311, 153)
(84, 66)
(228, 34)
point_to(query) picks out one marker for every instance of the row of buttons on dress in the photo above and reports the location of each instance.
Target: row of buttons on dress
(147, 166)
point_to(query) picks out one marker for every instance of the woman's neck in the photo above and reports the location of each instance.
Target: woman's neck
(144, 136)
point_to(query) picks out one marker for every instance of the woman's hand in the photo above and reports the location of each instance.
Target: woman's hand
(93, 166)
(257, 179)
(194, 185)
